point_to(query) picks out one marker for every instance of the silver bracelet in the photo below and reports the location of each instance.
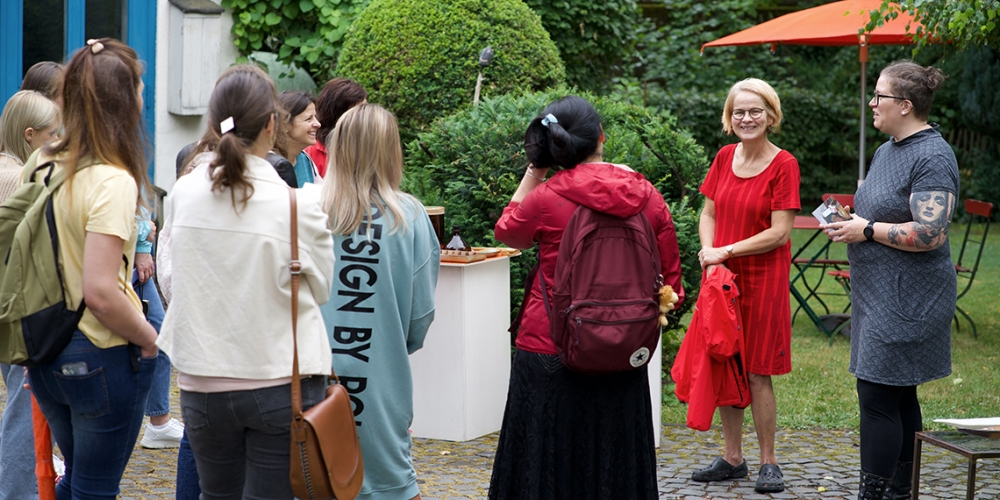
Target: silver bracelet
(529, 174)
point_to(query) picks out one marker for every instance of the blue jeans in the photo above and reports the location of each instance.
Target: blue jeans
(95, 417)
(17, 441)
(159, 394)
(242, 439)
(187, 472)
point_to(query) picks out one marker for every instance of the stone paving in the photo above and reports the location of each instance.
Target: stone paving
(817, 464)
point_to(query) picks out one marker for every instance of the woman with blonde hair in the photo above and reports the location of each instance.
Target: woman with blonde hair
(751, 198)
(29, 120)
(93, 392)
(228, 329)
(383, 299)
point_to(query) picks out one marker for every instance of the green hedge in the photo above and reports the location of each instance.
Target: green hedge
(419, 58)
(472, 162)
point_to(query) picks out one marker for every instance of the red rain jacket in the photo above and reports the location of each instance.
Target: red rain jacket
(709, 371)
(542, 217)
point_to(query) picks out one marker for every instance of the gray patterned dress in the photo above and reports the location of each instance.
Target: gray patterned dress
(903, 302)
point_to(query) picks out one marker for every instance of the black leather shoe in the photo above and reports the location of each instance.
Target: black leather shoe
(720, 470)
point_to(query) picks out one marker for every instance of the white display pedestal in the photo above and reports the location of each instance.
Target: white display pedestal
(655, 387)
(460, 376)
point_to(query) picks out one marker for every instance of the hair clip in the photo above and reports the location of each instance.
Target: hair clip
(227, 125)
(95, 46)
(549, 118)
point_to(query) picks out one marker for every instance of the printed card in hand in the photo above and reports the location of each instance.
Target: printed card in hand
(831, 211)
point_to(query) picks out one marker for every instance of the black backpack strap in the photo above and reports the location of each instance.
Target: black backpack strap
(50, 220)
(528, 283)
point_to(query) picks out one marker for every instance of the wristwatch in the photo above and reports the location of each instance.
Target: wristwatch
(729, 249)
(870, 231)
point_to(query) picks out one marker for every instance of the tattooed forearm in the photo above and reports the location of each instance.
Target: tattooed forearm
(932, 211)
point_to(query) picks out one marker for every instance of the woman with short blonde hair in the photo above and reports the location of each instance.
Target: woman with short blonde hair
(751, 198)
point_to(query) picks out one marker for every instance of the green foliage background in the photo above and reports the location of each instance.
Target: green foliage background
(964, 23)
(306, 33)
(596, 40)
(419, 58)
(472, 162)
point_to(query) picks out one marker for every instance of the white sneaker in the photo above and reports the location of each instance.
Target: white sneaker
(166, 436)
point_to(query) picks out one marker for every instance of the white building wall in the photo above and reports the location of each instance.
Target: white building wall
(173, 132)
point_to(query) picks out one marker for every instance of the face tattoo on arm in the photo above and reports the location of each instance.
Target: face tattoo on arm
(932, 211)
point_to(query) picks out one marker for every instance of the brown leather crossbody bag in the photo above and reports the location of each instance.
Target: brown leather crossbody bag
(326, 458)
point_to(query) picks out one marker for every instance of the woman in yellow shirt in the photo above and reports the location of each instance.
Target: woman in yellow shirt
(94, 392)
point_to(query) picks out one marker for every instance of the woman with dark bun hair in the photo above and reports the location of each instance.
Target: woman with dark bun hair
(902, 278)
(337, 96)
(228, 330)
(93, 393)
(566, 434)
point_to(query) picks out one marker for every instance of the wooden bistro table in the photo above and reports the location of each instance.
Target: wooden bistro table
(971, 447)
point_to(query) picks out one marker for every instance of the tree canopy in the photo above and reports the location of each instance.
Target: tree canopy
(963, 23)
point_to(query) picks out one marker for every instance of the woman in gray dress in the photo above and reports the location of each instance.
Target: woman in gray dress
(902, 278)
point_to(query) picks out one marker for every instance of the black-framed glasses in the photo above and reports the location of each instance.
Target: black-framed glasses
(755, 113)
(877, 96)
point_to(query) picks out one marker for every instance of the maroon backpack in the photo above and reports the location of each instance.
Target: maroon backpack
(604, 312)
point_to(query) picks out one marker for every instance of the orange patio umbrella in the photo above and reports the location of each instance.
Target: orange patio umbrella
(832, 24)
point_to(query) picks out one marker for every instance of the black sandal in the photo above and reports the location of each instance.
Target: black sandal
(769, 479)
(720, 470)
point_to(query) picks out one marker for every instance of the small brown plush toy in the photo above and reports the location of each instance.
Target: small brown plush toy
(667, 300)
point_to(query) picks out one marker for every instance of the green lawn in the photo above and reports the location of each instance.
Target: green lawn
(820, 392)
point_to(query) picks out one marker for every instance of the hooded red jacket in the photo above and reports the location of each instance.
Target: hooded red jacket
(709, 371)
(542, 217)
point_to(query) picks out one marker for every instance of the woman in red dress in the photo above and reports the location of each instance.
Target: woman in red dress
(752, 196)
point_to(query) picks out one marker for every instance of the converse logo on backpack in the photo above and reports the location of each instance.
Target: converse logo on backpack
(639, 357)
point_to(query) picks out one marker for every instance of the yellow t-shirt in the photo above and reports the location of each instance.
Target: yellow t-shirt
(100, 199)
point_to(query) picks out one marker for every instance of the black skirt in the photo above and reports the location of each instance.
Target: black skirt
(567, 435)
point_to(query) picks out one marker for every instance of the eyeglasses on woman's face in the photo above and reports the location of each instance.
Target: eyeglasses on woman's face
(754, 113)
(876, 96)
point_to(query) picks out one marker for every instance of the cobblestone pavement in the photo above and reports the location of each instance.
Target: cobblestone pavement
(817, 464)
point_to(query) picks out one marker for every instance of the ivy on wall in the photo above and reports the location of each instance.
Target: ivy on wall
(306, 33)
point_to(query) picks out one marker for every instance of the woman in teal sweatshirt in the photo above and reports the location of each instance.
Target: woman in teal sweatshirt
(382, 301)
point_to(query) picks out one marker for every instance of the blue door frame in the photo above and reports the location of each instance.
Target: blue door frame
(140, 35)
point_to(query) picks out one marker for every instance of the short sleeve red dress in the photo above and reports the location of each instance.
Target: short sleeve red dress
(743, 208)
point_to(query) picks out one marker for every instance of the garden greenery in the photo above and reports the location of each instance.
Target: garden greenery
(596, 40)
(472, 162)
(419, 58)
(307, 33)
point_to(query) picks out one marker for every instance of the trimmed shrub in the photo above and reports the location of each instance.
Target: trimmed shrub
(472, 162)
(419, 58)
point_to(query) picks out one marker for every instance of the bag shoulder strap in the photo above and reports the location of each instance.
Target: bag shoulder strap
(294, 268)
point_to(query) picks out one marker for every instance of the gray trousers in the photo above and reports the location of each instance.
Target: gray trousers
(241, 439)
